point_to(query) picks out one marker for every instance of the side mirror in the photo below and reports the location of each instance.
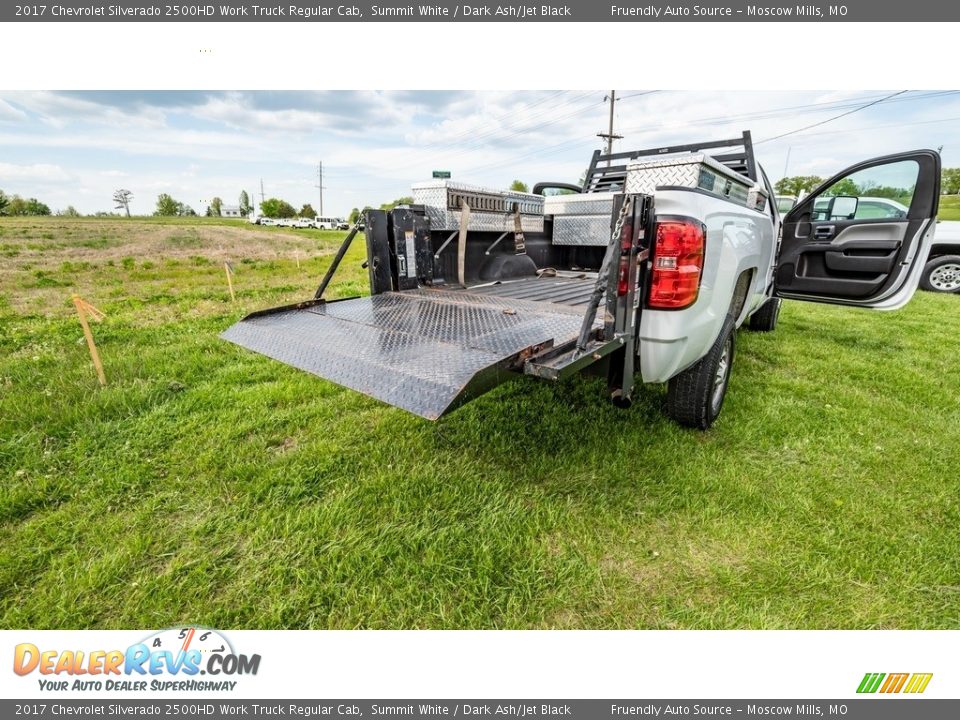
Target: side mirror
(548, 189)
(843, 207)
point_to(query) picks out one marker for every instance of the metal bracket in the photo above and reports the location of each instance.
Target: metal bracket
(436, 255)
(336, 261)
(495, 242)
(607, 268)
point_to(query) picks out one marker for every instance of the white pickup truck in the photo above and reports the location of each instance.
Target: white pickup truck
(942, 271)
(647, 270)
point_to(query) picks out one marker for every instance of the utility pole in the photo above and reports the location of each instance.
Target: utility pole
(262, 196)
(609, 135)
(319, 185)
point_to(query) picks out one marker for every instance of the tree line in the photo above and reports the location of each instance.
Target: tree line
(802, 184)
(168, 206)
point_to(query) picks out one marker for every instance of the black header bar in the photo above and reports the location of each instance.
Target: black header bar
(447, 11)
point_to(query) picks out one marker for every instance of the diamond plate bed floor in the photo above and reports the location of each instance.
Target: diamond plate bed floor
(571, 291)
(426, 351)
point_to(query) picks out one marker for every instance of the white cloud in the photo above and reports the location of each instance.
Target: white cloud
(8, 113)
(60, 111)
(41, 173)
(76, 148)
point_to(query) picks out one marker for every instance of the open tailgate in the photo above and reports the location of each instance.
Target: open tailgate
(424, 350)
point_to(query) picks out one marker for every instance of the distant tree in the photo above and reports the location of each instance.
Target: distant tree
(846, 186)
(4, 203)
(901, 195)
(35, 207)
(185, 210)
(30, 206)
(121, 199)
(797, 185)
(354, 216)
(405, 200)
(277, 208)
(167, 206)
(245, 206)
(519, 186)
(16, 206)
(950, 181)
(215, 207)
(307, 211)
(69, 211)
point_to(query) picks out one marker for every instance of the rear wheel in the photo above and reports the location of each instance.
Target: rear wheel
(765, 319)
(942, 274)
(695, 396)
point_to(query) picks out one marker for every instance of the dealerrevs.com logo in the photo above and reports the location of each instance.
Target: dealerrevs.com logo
(179, 659)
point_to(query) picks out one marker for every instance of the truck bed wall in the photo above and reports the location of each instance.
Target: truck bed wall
(538, 246)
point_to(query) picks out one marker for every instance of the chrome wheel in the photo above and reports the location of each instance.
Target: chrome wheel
(722, 374)
(946, 278)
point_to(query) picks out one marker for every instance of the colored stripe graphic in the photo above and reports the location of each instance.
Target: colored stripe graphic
(870, 682)
(894, 682)
(918, 682)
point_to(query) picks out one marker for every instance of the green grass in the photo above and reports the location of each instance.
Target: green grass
(949, 207)
(212, 485)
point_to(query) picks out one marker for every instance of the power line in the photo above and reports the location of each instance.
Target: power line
(556, 148)
(809, 108)
(831, 119)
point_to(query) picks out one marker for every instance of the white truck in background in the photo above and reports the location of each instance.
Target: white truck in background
(942, 271)
(647, 270)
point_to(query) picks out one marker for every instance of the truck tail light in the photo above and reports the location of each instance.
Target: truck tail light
(677, 263)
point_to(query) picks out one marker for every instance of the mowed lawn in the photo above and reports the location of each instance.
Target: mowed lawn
(950, 207)
(211, 485)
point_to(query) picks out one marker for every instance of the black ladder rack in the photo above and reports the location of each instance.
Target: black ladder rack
(608, 173)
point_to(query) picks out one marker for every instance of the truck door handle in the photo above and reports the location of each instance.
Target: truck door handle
(824, 232)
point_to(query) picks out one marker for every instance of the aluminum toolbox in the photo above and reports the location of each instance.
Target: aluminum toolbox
(490, 210)
(581, 219)
(694, 170)
(757, 198)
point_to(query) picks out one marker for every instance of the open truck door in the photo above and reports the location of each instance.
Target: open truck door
(863, 236)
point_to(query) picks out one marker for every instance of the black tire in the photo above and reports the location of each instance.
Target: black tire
(942, 274)
(765, 319)
(695, 396)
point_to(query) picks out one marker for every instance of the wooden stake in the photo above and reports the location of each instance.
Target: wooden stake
(229, 271)
(83, 308)
(298, 258)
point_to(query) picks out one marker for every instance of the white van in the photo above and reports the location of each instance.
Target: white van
(326, 223)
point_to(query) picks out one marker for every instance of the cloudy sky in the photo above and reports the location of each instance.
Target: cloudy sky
(76, 148)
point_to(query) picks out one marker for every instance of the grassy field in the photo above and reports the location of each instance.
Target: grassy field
(208, 484)
(949, 207)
